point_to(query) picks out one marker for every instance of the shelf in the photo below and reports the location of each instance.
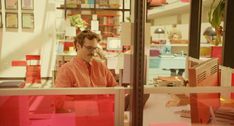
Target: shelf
(63, 40)
(174, 7)
(102, 15)
(169, 9)
(202, 45)
(108, 25)
(66, 54)
(94, 9)
(107, 15)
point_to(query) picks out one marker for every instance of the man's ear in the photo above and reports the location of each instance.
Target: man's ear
(78, 46)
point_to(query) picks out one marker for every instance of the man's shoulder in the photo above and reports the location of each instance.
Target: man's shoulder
(68, 65)
(97, 63)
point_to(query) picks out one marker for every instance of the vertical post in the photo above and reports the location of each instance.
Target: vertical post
(65, 9)
(138, 64)
(123, 11)
(195, 28)
(95, 7)
(228, 40)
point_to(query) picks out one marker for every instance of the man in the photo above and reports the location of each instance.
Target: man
(83, 70)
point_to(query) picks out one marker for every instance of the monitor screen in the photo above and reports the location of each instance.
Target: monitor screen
(114, 43)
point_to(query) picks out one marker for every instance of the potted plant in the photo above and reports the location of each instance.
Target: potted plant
(215, 15)
(78, 22)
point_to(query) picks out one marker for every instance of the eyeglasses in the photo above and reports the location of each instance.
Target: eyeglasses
(90, 48)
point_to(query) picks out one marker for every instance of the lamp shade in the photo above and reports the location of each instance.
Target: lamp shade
(159, 31)
(210, 31)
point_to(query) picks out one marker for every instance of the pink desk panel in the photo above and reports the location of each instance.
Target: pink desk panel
(69, 110)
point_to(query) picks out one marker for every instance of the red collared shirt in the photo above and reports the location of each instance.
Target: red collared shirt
(78, 73)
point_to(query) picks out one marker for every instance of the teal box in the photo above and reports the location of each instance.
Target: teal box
(154, 63)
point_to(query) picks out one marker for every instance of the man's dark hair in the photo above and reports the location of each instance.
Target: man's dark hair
(85, 34)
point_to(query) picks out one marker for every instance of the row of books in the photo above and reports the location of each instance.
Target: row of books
(65, 47)
(106, 20)
(225, 115)
(90, 3)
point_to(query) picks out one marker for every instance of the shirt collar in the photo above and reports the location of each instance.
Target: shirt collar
(82, 62)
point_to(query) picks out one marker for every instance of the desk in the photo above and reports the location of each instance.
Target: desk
(156, 111)
(157, 64)
(167, 62)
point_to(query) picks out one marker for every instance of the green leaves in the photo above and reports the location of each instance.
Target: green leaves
(216, 14)
(77, 21)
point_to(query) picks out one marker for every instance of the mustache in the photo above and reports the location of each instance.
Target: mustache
(91, 54)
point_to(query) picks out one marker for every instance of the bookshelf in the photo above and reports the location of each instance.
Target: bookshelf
(109, 13)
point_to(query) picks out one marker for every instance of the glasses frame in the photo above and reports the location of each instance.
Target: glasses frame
(90, 48)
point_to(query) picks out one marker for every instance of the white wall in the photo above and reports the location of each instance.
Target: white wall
(165, 20)
(14, 45)
(182, 20)
(184, 28)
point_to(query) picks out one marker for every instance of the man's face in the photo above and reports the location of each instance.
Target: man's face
(87, 51)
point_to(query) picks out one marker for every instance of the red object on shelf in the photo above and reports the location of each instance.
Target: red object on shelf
(154, 52)
(18, 63)
(33, 69)
(67, 45)
(32, 57)
(216, 52)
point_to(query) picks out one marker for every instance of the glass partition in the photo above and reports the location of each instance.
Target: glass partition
(169, 33)
(60, 107)
(184, 91)
(175, 107)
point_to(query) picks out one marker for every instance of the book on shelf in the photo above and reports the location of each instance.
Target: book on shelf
(102, 3)
(114, 3)
(71, 3)
(60, 48)
(60, 35)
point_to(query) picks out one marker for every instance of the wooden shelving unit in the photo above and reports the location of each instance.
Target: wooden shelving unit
(95, 8)
(109, 21)
(109, 17)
